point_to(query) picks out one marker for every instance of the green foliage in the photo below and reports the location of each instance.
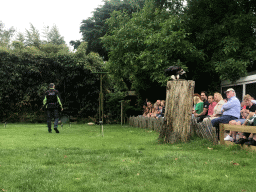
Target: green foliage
(143, 46)
(94, 28)
(5, 35)
(225, 32)
(32, 37)
(27, 73)
(54, 49)
(53, 36)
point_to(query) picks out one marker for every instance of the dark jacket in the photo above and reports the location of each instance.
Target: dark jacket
(52, 99)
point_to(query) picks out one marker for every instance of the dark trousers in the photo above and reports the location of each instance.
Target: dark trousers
(52, 113)
(223, 119)
(201, 118)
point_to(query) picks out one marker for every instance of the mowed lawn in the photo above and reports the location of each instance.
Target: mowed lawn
(125, 159)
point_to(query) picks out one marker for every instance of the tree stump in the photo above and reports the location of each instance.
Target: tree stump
(178, 111)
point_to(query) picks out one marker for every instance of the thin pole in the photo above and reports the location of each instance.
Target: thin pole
(101, 115)
(122, 113)
(101, 99)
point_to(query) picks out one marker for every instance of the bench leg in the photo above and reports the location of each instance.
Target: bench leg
(221, 133)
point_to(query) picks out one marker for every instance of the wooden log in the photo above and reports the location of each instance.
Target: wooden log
(178, 110)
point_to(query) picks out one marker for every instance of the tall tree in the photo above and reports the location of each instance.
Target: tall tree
(95, 27)
(225, 31)
(143, 46)
(20, 37)
(53, 36)
(32, 37)
(5, 35)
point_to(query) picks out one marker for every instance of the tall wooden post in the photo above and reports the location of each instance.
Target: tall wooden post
(178, 111)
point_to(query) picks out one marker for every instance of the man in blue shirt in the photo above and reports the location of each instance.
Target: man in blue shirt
(231, 110)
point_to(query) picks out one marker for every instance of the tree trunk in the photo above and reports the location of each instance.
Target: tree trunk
(178, 111)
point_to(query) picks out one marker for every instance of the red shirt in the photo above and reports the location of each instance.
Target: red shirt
(211, 107)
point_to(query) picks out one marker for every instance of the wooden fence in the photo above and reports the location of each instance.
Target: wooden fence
(203, 130)
(147, 123)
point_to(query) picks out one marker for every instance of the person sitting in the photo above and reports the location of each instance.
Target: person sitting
(247, 138)
(252, 137)
(232, 135)
(204, 113)
(231, 110)
(161, 109)
(196, 94)
(199, 104)
(212, 105)
(158, 103)
(155, 111)
(145, 104)
(150, 109)
(146, 111)
(217, 109)
(250, 107)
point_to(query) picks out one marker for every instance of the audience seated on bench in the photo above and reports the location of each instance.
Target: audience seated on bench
(217, 109)
(250, 109)
(157, 111)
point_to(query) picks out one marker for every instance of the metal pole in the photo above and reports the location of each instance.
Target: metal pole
(102, 116)
(122, 113)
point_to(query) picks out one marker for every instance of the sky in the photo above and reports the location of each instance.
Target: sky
(66, 15)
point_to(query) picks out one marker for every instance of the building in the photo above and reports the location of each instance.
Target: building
(243, 86)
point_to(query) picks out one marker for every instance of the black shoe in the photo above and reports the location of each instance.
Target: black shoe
(57, 131)
(241, 141)
(50, 130)
(251, 142)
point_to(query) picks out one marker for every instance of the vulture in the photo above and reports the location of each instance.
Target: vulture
(174, 71)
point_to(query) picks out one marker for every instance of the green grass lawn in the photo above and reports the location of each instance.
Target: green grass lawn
(125, 159)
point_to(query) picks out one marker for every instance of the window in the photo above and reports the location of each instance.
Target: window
(251, 89)
(238, 89)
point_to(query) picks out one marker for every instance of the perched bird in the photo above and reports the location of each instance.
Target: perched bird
(174, 71)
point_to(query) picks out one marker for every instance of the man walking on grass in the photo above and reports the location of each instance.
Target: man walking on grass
(51, 102)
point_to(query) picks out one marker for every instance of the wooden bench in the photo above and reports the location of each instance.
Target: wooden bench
(237, 128)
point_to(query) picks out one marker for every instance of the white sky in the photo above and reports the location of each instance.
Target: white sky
(66, 15)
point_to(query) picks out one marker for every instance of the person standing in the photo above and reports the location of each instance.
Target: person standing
(51, 102)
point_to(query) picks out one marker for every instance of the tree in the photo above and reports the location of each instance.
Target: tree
(94, 28)
(143, 46)
(225, 32)
(5, 35)
(53, 36)
(26, 75)
(32, 37)
(75, 44)
(20, 37)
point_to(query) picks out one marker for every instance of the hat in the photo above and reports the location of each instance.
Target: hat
(230, 89)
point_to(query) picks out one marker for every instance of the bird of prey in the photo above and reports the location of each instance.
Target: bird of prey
(174, 71)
